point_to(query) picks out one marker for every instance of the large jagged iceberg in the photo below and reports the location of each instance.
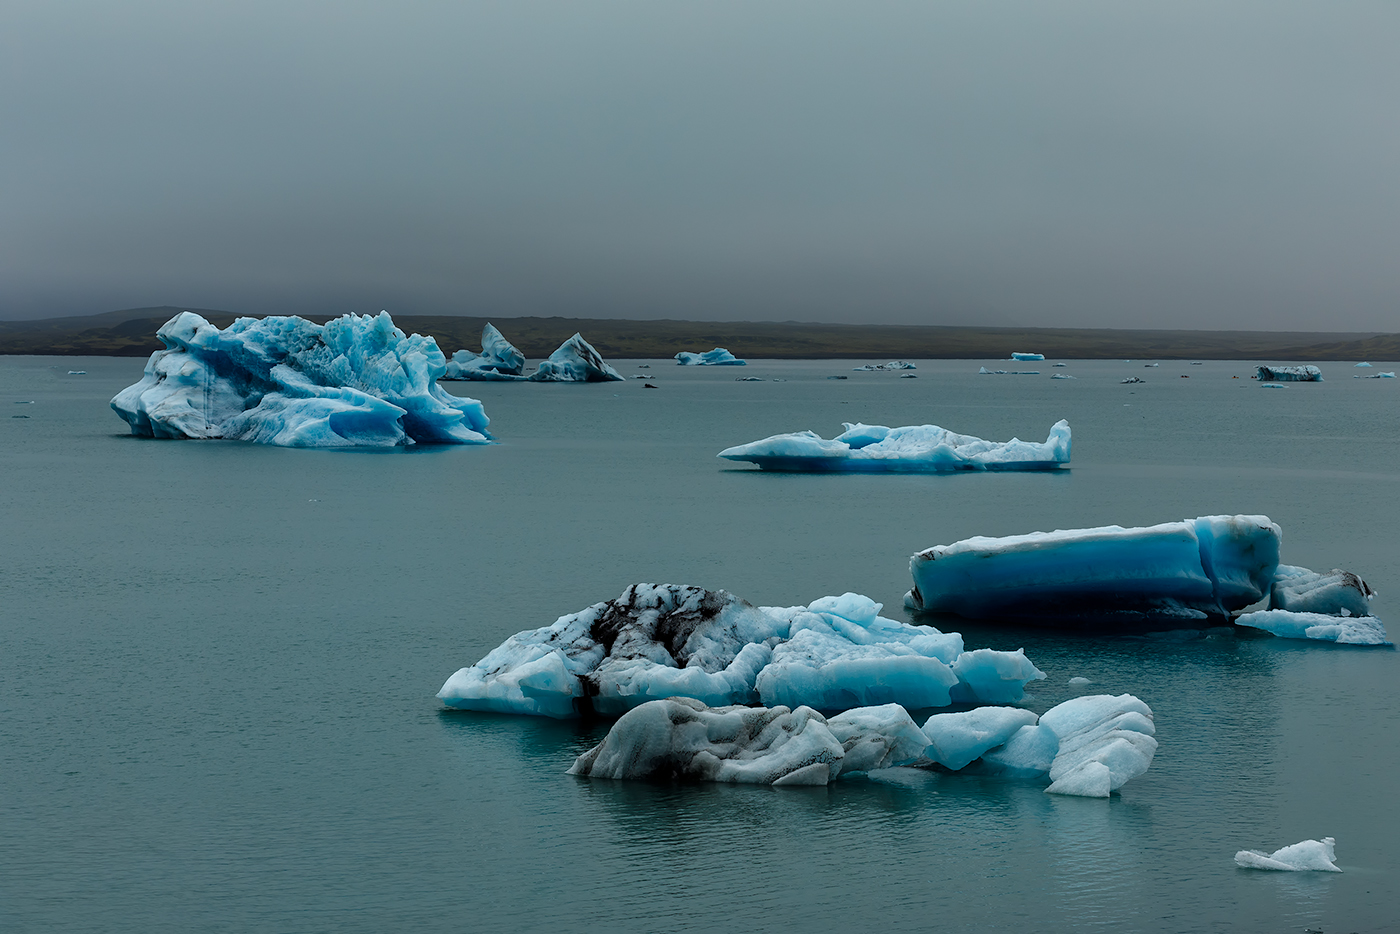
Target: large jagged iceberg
(1308, 856)
(911, 449)
(499, 359)
(1089, 746)
(1194, 568)
(1291, 374)
(666, 640)
(354, 381)
(717, 357)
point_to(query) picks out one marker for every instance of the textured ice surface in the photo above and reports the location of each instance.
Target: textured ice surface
(881, 737)
(1105, 742)
(913, 448)
(717, 357)
(658, 641)
(498, 360)
(1211, 565)
(892, 365)
(1310, 855)
(956, 739)
(1029, 752)
(576, 361)
(1345, 630)
(1291, 374)
(354, 381)
(1027, 356)
(1335, 592)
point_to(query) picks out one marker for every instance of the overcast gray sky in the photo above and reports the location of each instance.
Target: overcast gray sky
(1214, 164)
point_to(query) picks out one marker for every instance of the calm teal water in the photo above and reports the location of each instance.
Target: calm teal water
(219, 661)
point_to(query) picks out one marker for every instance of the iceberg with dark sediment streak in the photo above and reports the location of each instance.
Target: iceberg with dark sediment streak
(1191, 569)
(499, 360)
(355, 381)
(1335, 592)
(1088, 747)
(576, 361)
(891, 365)
(911, 449)
(1291, 374)
(717, 357)
(667, 640)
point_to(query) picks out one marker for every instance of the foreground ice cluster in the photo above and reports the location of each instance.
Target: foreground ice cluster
(354, 381)
(1090, 746)
(717, 357)
(1310, 855)
(659, 641)
(910, 449)
(576, 361)
(1291, 374)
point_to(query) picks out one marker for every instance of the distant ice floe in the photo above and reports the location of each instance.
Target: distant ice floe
(1387, 375)
(892, 365)
(355, 381)
(717, 357)
(576, 361)
(983, 371)
(1190, 569)
(1291, 374)
(666, 640)
(1089, 746)
(1027, 356)
(910, 449)
(1361, 364)
(1308, 856)
(1061, 375)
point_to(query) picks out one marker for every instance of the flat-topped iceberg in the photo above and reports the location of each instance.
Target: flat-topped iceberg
(355, 381)
(911, 449)
(498, 360)
(1089, 746)
(1320, 627)
(667, 640)
(1308, 856)
(1291, 374)
(892, 365)
(1194, 568)
(1015, 355)
(717, 357)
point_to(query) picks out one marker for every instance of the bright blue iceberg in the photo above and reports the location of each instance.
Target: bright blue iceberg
(911, 449)
(1027, 356)
(1191, 569)
(355, 381)
(717, 357)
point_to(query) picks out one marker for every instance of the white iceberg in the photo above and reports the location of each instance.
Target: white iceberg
(1308, 856)
(1027, 356)
(892, 365)
(660, 641)
(498, 360)
(1061, 376)
(576, 361)
(1387, 375)
(1337, 592)
(911, 449)
(1344, 630)
(983, 371)
(354, 381)
(1104, 742)
(1291, 374)
(717, 357)
(1193, 568)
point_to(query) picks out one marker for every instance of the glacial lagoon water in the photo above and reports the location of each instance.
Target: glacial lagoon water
(219, 661)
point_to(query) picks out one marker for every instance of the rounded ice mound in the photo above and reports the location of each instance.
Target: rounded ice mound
(1308, 856)
(355, 381)
(717, 357)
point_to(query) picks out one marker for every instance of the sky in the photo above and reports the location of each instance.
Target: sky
(1183, 164)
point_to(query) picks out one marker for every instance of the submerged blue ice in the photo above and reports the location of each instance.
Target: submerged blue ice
(660, 641)
(911, 449)
(1193, 569)
(717, 357)
(354, 381)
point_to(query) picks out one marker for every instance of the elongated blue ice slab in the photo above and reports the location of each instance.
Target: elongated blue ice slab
(911, 449)
(660, 641)
(717, 357)
(499, 359)
(1089, 746)
(1027, 356)
(356, 381)
(1291, 374)
(1321, 627)
(1192, 569)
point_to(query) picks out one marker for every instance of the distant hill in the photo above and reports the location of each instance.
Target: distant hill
(131, 333)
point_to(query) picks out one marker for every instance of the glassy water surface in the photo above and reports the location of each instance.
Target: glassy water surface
(216, 700)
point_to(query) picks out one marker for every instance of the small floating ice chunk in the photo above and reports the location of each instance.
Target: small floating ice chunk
(1291, 374)
(1061, 376)
(1272, 386)
(912, 448)
(77, 372)
(986, 372)
(1343, 630)
(1337, 592)
(1363, 363)
(748, 379)
(717, 357)
(1079, 681)
(1105, 742)
(1059, 364)
(1016, 355)
(892, 365)
(1132, 379)
(576, 361)
(1308, 856)
(956, 739)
